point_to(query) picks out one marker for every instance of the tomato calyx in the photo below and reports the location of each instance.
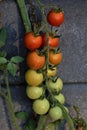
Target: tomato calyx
(54, 79)
(56, 50)
(40, 52)
(58, 10)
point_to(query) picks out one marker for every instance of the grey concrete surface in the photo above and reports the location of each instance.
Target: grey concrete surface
(73, 43)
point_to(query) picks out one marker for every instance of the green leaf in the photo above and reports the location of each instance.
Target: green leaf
(12, 68)
(3, 60)
(3, 54)
(3, 36)
(16, 59)
(30, 125)
(22, 115)
(26, 127)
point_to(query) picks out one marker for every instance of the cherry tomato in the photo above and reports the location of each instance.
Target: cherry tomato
(55, 58)
(34, 92)
(57, 85)
(52, 72)
(55, 18)
(41, 106)
(52, 41)
(31, 41)
(56, 113)
(33, 78)
(50, 126)
(60, 97)
(35, 61)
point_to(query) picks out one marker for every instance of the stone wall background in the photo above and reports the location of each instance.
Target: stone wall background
(73, 43)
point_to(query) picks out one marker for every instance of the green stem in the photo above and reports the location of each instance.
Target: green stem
(10, 104)
(41, 123)
(3, 95)
(24, 14)
(41, 7)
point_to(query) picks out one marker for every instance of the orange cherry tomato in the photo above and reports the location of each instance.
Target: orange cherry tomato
(35, 61)
(55, 58)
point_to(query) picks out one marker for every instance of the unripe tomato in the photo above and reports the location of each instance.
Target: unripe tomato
(52, 41)
(57, 85)
(34, 92)
(52, 72)
(31, 41)
(55, 58)
(67, 111)
(60, 97)
(41, 106)
(56, 113)
(50, 126)
(35, 61)
(55, 18)
(33, 78)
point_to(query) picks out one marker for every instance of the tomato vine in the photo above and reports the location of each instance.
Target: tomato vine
(45, 49)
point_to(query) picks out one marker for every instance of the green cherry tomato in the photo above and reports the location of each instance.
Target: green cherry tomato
(60, 97)
(34, 92)
(56, 113)
(57, 85)
(41, 106)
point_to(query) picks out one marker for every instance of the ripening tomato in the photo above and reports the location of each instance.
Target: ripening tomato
(56, 113)
(55, 58)
(41, 106)
(34, 92)
(35, 61)
(55, 18)
(52, 72)
(33, 78)
(52, 41)
(31, 41)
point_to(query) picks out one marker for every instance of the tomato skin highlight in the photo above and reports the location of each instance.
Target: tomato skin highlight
(31, 41)
(35, 61)
(52, 41)
(41, 106)
(55, 18)
(33, 78)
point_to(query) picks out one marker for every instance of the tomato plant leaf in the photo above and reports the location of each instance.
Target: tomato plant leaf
(31, 124)
(12, 68)
(3, 54)
(3, 60)
(22, 115)
(16, 59)
(26, 127)
(3, 36)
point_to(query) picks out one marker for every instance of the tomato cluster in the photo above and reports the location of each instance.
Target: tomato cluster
(42, 69)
